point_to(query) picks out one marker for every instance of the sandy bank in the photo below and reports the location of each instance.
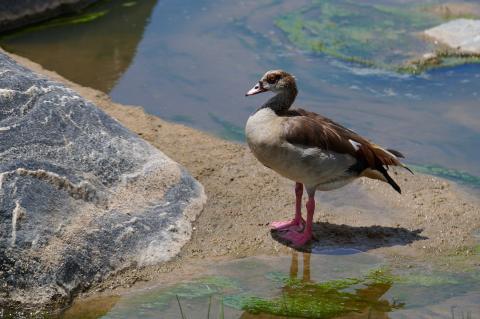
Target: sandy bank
(433, 219)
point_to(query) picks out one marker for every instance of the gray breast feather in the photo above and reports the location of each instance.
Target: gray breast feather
(308, 165)
(321, 163)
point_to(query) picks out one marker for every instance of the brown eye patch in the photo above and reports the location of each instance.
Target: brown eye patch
(272, 78)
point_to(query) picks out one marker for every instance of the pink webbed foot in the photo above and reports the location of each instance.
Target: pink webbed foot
(298, 239)
(296, 225)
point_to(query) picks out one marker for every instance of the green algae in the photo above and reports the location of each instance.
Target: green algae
(129, 4)
(377, 36)
(88, 17)
(442, 58)
(458, 176)
(58, 22)
(307, 299)
(476, 249)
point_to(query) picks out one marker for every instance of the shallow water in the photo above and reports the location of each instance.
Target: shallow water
(192, 61)
(344, 285)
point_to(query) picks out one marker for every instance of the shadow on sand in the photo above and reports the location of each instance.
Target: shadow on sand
(361, 238)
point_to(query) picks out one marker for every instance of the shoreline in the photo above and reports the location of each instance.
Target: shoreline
(432, 220)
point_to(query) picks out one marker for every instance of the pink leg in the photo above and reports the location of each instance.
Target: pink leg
(299, 239)
(298, 222)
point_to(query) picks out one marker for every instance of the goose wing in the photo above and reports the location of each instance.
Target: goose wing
(310, 129)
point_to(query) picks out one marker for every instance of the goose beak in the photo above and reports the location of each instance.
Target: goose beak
(258, 88)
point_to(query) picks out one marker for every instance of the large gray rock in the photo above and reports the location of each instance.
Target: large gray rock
(80, 195)
(461, 35)
(18, 13)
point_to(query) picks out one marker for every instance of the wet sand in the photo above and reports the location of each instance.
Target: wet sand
(433, 220)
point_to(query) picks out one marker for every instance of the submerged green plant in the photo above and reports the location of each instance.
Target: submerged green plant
(448, 173)
(308, 299)
(129, 4)
(371, 35)
(76, 19)
(476, 249)
(440, 59)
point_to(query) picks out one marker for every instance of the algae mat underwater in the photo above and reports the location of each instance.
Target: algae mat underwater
(375, 35)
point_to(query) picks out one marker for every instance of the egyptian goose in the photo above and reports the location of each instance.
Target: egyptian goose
(309, 149)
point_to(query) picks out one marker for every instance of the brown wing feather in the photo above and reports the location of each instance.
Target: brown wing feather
(311, 129)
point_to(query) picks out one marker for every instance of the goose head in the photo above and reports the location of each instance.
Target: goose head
(276, 81)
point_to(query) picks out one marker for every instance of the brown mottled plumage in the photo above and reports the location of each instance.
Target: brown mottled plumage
(311, 129)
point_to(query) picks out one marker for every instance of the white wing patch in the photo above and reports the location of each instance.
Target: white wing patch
(355, 145)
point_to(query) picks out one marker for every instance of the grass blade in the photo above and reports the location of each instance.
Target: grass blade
(209, 306)
(222, 310)
(180, 306)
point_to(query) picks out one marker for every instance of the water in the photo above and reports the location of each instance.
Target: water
(340, 285)
(192, 61)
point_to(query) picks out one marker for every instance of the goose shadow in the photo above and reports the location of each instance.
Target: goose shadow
(362, 238)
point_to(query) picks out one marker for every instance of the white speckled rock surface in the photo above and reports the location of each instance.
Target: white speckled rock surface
(80, 195)
(459, 34)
